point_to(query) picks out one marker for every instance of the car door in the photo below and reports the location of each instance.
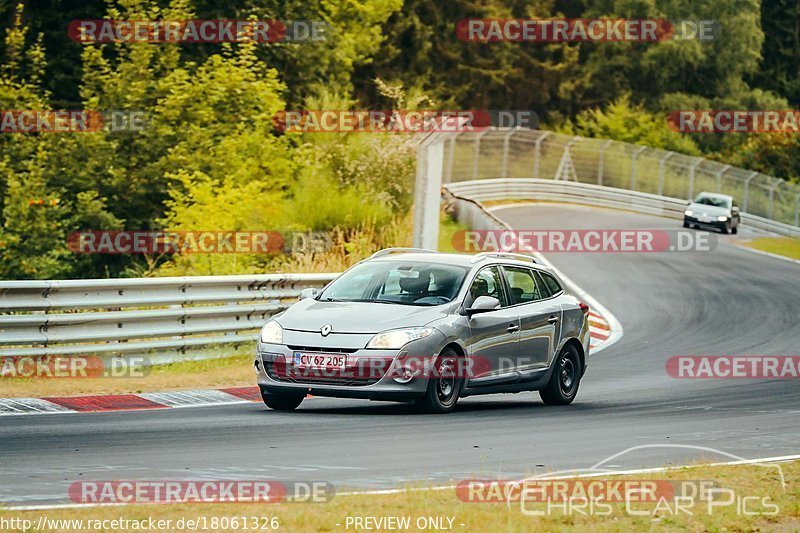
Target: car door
(494, 335)
(539, 317)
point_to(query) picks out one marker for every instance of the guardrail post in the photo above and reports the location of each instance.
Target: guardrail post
(506, 145)
(601, 165)
(691, 176)
(747, 190)
(538, 154)
(634, 157)
(661, 169)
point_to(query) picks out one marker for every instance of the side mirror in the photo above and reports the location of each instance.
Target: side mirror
(310, 292)
(483, 304)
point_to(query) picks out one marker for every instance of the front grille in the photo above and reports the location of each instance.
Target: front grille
(279, 372)
(318, 349)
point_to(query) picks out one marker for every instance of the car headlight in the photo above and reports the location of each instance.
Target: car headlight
(397, 338)
(272, 333)
(722, 218)
(688, 212)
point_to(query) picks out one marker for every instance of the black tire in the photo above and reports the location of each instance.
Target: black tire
(565, 379)
(735, 230)
(282, 402)
(444, 385)
(726, 228)
(685, 224)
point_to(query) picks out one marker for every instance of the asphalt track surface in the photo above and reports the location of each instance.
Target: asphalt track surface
(729, 301)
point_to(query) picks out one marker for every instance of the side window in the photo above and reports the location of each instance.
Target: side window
(553, 287)
(487, 283)
(522, 284)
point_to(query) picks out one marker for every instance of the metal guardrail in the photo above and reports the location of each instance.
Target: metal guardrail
(161, 317)
(586, 194)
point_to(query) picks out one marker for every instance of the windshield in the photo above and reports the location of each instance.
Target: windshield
(714, 201)
(397, 282)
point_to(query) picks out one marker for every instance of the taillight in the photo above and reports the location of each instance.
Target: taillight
(584, 308)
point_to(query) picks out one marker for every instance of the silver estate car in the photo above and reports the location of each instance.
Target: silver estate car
(713, 210)
(419, 326)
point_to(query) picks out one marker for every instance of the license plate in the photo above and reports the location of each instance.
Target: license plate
(704, 219)
(319, 360)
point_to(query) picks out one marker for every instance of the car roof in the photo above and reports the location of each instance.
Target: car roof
(715, 195)
(464, 260)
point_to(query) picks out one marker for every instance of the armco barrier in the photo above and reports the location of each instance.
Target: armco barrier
(586, 194)
(165, 318)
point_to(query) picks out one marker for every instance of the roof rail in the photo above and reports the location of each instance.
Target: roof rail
(508, 255)
(388, 251)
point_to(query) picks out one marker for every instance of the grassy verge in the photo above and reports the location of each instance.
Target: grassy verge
(756, 491)
(785, 246)
(235, 371)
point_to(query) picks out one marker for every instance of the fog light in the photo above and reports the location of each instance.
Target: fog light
(404, 375)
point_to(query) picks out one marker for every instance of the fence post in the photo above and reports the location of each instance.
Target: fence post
(797, 210)
(601, 165)
(719, 177)
(538, 154)
(430, 160)
(771, 209)
(691, 176)
(634, 157)
(448, 173)
(661, 166)
(477, 156)
(747, 191)
(506, 142)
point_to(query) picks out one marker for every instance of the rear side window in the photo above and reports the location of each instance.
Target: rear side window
(523, 285)
(552, 285)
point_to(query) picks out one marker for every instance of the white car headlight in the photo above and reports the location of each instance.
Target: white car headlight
(688, 212)
(397, 338)
(722, 218)
(272, 333)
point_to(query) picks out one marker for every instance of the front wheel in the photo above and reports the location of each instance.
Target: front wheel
(735, 230)
(282, 402)
(565, 379)
(444, 384)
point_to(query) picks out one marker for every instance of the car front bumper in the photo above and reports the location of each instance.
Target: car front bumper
(368, 374)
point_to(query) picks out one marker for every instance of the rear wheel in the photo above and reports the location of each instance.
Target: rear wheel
(282, 402)
(565, 379)
(444, 385)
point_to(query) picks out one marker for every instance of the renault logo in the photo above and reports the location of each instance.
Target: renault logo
(326, 329)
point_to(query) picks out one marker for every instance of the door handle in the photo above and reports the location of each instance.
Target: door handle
(512, 328)
(552, 320)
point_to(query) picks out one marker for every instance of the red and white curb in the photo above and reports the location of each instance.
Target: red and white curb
(128, 402)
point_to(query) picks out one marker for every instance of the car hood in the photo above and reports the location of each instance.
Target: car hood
(357, 317)
(707, 210)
